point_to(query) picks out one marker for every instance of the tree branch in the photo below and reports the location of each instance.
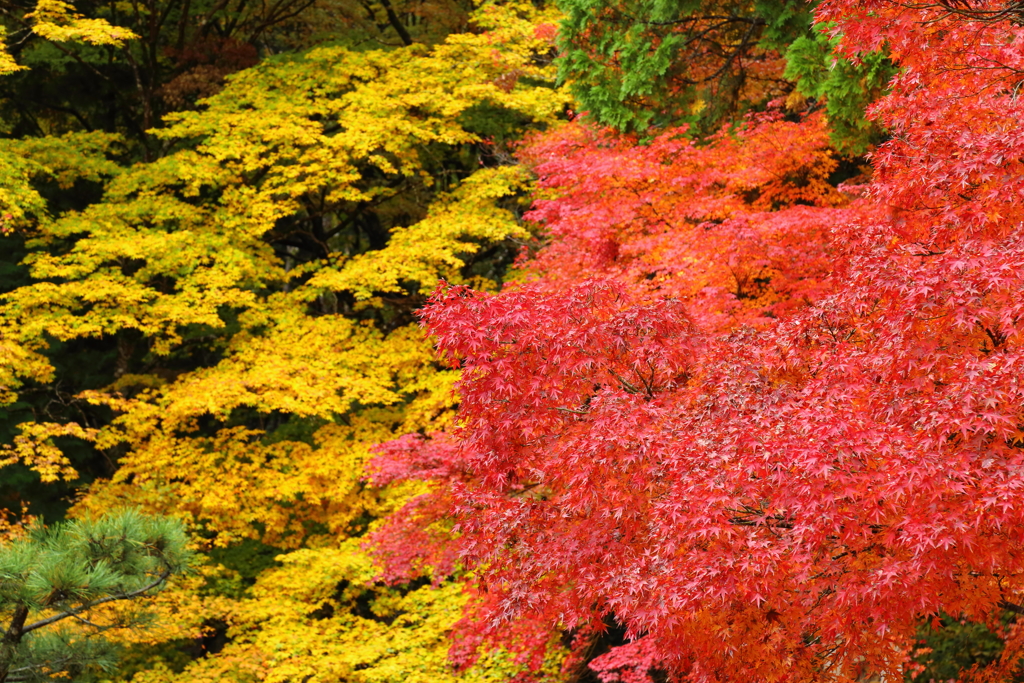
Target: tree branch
(11, 639)
(396, 22)
(1011, 607)
(100, 601)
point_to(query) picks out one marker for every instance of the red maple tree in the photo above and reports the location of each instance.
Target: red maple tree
(766, 426)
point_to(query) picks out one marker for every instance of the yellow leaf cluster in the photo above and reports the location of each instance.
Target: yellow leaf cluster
(177, 241)
(319, 617)
(7, 63)
(18, 198)
(57, 21)
(17, 364)
(457, 223)
(238, 485)
(34, 448)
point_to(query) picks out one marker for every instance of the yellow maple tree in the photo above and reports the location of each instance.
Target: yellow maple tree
(255, 288)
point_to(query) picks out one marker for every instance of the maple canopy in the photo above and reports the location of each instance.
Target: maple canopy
(765, 424)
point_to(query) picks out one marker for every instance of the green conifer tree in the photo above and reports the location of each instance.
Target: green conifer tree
(57, 585)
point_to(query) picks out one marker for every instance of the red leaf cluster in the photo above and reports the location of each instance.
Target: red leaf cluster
(739, 226)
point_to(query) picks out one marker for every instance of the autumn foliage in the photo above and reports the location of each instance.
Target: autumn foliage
(740, 222)
(450, 382)
(220, 333)
(765, 424)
